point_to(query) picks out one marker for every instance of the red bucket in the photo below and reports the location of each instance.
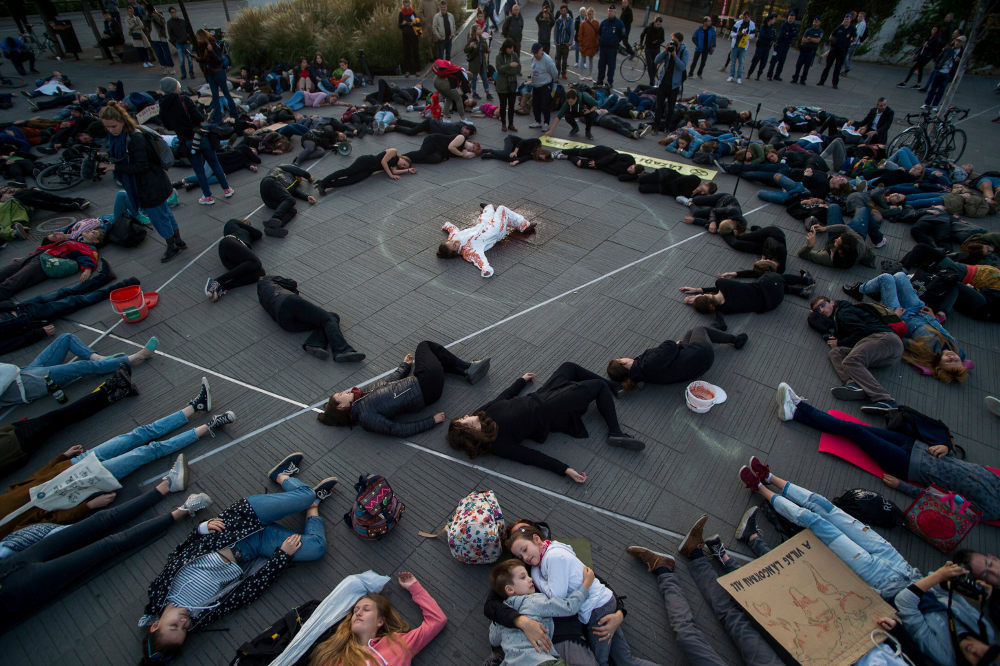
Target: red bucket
(131, 303)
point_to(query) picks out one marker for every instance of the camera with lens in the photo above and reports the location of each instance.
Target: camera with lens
(968, 586)
(672, 46)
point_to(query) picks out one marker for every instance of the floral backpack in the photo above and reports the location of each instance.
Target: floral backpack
(475, 531)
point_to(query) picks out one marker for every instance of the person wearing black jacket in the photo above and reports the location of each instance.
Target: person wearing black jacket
(436, 148)
(674, 184)
(840, 41)
(672, 362)
(236, 254)
(499, 426)
(729, 296)
(768, 243)
(415, 384)
(280, 298)
(765, 39)
(111, 37)
(180, 115)
(874, 127)
(651, 40)
(859, 340)
(606, 159)
(279, 189)
(787, 33)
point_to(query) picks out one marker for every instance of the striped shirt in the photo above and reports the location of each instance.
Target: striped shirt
(198, 583)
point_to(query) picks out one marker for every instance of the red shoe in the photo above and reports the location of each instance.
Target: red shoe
(760, 469)
(748, 478)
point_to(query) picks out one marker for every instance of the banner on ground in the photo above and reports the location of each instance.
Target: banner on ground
(644, 160)
(809, 601)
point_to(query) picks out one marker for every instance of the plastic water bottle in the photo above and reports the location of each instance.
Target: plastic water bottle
(55, 390)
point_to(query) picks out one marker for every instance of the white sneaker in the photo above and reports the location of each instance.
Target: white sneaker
(177, 476)
(195, 503)
(992, 404)
(788, 401)
(545, 127)
(729, 80)
(535, 125)
(739, 80)
(684, 201)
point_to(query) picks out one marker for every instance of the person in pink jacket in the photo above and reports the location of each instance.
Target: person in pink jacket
(374, 633)
(472, 243)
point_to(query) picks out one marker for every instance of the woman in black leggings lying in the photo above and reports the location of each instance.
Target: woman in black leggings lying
(729, 296)
(317, 141)
(377, 406)
(767, 243)
(671, 362)
(279, 296)
(517, 150)
(41, 571)
(236, 254)
(436, 148)
(389, 161)
(712, 210)
(502, 424)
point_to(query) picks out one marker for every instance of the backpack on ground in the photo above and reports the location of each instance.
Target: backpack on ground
(268, 644)
(376, 509)
(159, 145)
(126, 231)
(870, 508)
(475, 531)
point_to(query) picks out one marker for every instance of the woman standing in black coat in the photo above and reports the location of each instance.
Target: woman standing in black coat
(140, 173)
(502, 424)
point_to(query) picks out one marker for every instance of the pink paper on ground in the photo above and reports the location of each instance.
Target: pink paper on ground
(847, 450)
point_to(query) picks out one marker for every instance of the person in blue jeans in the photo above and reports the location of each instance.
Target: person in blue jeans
(210, 56)
(241, 553)
(868, 555)
(789, 187)
(863, 222)
(21, 386)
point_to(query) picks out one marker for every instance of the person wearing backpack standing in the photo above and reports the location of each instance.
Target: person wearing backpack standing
(210, 58)
(179, 114)
(140, 172)
(230, 561)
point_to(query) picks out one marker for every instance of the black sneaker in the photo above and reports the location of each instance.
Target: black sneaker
(849, 391)
(349, 356)
(623, 441)
(289, 465)
(741, 340)
(715, 547)
(880, 407)
(891, 266)
(220, 420)
(747, 525)
(120, 385)
(315, 350)
(324, 488)
(203, 401)
(807, 275)
(854, 291)
(477, 370)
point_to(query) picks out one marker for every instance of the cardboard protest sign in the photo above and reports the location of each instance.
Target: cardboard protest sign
(809, 601)
(147, 113)
(644, 160)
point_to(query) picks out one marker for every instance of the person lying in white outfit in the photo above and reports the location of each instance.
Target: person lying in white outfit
(472, 243)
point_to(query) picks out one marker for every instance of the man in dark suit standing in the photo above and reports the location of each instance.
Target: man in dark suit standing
(875, 126)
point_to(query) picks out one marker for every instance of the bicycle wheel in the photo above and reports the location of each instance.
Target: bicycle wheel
(912, 138)
(951, 144)
(11, 82)
(58, 177)
(632, 68)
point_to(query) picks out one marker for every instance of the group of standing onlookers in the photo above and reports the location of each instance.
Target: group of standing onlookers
(151, 34)
(943, 47)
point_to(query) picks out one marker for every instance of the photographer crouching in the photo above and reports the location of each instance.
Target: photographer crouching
(675, 55)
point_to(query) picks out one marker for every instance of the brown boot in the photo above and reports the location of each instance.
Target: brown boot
(651, 559)
(694, 539)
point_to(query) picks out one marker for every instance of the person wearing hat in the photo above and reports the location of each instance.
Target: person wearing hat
(765, 39)
(944, 71)
(787, 33)
(840, 41)
(443, 27)
(651, 40)
(609, 36)
(807, 51)
(543, 77)
(704, 45)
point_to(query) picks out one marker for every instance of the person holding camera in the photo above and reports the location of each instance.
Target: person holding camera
(985, 568)
(675, 57)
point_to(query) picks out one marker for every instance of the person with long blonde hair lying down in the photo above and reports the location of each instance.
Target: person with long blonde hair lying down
(374, 633)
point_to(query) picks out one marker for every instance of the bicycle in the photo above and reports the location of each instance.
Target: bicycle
(932, 137)
(39, 44)
(633, 66)
(79, 163)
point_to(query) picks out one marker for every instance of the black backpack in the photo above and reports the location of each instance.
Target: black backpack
(268, 644)
(126, 231)
(870, 508)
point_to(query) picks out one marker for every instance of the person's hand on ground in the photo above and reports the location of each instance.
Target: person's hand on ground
(691, 290)
(890, 480)
(831, 343)
(406, 579)
(101, 501)
(528, 376)
(575, 475)
(74, 451)
(408, 358)
(311, 199)
(727, 274)
(49, 329)
(439, 417)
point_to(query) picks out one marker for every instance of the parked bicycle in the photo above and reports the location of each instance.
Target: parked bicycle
(633, 66)
(39, 43)
(932, 137)
(79, 163)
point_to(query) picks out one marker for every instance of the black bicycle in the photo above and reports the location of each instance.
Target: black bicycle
(79, 163)
(932, 137)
